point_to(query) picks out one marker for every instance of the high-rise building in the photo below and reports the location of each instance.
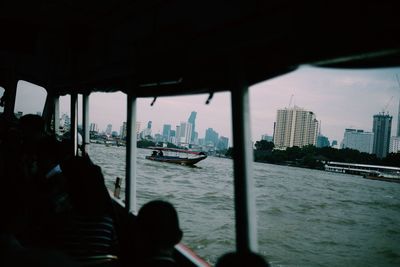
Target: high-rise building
(359, 140)
(65, 122)
(382, 126)
(123, 131)
(109, 129)
(394, 146)
(211, 137)
(267, 138)
(177, 134)
(192, 120)
(322, 141)
(295, 127)
(223, 143)
(166, 131)
(146, 133)
(185, 133)
(94, 127)
(138, 123)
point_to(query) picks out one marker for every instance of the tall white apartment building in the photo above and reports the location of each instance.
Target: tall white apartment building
(185, 132)
(394, 146)
(295, 127)
(359, 140)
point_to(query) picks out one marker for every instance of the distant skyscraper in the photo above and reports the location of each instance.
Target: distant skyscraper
(192, 120)
(166, 131)
(382, 126)
(394, 146)
(138, 124)
(359, 140)
(223, 143)
(93, 127)
(146, 133)
(123, 130)
(295, 127)
(267, 137)
(65, 122)
(177, 134)
(211, 137)
(185, 133)
(322, 141)
(109, 129)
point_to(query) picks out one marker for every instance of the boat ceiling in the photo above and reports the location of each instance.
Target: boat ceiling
(155, 48)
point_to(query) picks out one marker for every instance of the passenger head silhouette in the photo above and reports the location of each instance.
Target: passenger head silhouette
(234, 259)
(158, 224)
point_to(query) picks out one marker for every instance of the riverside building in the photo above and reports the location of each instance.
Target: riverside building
(295, 127)
(359, 140)
(382, 126)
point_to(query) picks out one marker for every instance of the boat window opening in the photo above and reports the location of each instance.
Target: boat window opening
(203, 193)
(30, 99)
(1, 95)
(311, 206)
(65, 117)
(107, 136)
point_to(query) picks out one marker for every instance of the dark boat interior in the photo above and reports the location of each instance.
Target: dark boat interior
(175, 47)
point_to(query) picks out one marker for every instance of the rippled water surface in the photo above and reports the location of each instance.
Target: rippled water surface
(305, 217)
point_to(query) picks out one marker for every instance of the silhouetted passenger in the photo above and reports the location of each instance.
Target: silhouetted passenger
(158, 233)
(32, 127)
(160, 153)
(48, 197)
(89, 230)
(234, 259)
(36, 257)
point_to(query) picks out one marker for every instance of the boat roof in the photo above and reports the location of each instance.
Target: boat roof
(176, 150)
(391, 168)
(156, 48)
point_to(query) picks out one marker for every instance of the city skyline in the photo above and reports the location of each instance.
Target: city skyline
(340, 99)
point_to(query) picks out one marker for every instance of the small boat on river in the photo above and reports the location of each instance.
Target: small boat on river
(174, 155)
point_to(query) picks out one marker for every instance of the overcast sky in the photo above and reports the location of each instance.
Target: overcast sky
(339, 98)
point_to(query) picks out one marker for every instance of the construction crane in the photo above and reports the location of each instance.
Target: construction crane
(385, 108)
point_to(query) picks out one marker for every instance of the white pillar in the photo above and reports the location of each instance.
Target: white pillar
(245, 215)
(85, 122)
(131, 151)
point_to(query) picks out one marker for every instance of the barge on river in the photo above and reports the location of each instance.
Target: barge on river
(374, 172)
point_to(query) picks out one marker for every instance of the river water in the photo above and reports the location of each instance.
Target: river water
(305, 217)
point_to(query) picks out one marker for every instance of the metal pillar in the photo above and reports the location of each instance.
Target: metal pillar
(10, 87)
(245, 215)
(85, 122)
(48, 111)
(131, 151)
(74, 123)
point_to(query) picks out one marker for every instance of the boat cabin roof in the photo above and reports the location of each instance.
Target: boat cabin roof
(156, 48)
(176, 150)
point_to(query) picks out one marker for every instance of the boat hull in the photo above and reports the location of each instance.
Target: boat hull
(176, 160)
(379, 178)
